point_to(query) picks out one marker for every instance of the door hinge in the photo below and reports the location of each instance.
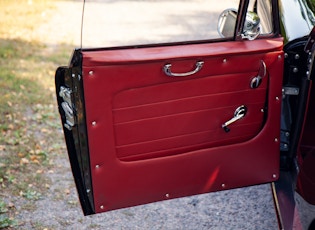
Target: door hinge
(67, 106)
(286, 91)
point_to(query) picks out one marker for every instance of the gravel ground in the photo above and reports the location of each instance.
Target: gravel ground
(247, 208)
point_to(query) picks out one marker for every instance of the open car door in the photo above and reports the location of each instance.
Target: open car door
(154, 122)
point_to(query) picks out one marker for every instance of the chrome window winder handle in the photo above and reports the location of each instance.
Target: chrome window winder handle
(239, 113)
(167, 70)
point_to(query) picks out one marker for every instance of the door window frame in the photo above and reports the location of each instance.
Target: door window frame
(240, 20)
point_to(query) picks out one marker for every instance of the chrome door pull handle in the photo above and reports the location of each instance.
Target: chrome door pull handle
(239, 113)
(168, 71)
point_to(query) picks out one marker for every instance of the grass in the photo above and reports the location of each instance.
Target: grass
(27, 114)
(5, 221)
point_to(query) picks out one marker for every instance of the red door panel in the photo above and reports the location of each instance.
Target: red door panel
(154, 137)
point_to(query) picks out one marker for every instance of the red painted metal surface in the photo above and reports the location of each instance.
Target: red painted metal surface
(306, 154)
(154, 137)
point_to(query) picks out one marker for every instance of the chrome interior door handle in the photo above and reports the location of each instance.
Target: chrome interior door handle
(239, 113)
(168, 71)
(256, 81)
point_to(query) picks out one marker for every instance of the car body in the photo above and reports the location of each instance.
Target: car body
(152, 122)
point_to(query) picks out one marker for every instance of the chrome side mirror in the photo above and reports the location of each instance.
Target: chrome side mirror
(251, 27)
(227, 21)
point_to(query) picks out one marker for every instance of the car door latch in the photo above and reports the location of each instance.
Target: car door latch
(67, 106)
